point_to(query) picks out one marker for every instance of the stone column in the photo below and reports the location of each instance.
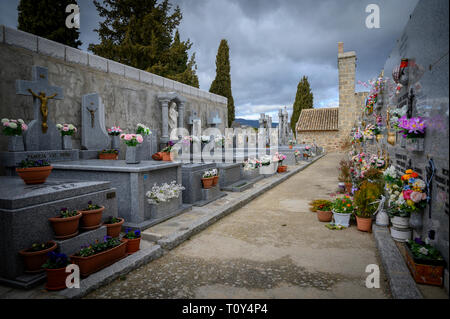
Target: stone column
(181, 114)
(165, 120)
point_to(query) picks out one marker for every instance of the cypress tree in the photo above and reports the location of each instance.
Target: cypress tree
(222, 83)
(47, 19)
(143, 34)
(303, 100)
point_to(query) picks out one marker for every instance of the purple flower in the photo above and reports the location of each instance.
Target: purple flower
(419, 241)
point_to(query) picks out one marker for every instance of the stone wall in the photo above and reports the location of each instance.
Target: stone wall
(129, 94)
(329, 140)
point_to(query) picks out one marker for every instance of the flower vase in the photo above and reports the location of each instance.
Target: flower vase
(67, 142)
(115, 142)
(415, 144)
(15, 143)
(131, 156)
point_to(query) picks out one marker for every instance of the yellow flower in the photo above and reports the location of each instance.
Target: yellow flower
(409, 171)
(410, 203)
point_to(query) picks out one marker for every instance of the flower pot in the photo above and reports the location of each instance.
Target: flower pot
(341, 219)
(91, 219)
(35, 259)
(428, 272)
(133, 245)
(113, 230)
(324, 216)
(108, 156)
(131, 156)
(65, 228)
(215, 180)
(400, 222)
(282, 169)
(290, 147)
(400, 234)
(67, 142)
(56, 279)
(34, 175)
(415, 144)
(166, 156)
(267, 169)
(92, 264)
(207, 182)
(15, 143)
(364, 224)
(115, 142)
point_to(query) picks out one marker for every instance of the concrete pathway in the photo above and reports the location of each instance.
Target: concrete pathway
(273, 247)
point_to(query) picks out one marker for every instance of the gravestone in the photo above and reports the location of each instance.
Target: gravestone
(42, 133)
(93, 130)
(214, 120)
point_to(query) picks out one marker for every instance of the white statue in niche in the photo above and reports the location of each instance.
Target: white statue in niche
(173, 116)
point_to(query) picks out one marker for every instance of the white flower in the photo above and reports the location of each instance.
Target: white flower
(12, 125)
(423, 251)
(20, 121)
(5, 120)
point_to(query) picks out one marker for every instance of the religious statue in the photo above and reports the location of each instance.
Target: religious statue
(173, 116)
(44, 109)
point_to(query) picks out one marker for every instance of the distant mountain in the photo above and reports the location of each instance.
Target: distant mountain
(252, 123)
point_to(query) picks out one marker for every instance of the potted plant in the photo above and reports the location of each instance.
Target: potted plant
(324, 213)
(166, 152)
(115, 132)
(207, 179)
(66, 130)
(314, 205)
(344, 175)
(35, 256)
(215, 173)
(132, 141)
(297, 155)
(251, 168)
(92, 258)
(55, 267)
(108, 154)
(267, 165)
(342, 209)
(113, 226)
(14, 130)
(92, 216)
(34, 171)
(66, 224)
(365, 204)
(133, 239)
(425, 262)
(280, 158)
(164, 198)
(291, 144)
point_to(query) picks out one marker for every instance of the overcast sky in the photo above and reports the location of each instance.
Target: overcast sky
(273, 43)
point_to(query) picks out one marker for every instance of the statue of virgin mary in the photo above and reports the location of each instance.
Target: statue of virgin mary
(173, 117)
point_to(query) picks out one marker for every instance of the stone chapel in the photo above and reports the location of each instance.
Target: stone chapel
(330, 127)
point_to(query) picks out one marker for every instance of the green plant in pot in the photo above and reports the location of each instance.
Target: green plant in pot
(365, 201)
(66, 224)
(36, 255)
(342, 208)
(113, 226)
(55, 266)
(324, 213)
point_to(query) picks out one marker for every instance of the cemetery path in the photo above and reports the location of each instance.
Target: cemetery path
(273, 247)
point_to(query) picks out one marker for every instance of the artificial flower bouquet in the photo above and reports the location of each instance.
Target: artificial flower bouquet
(251, 163)
(165, 192)
(66, 129)
(412, 128)
(142, 129)
(266, 160)
(132, 139)
(13, 127)
(205, 139)
(187, 140)
(343, 205)
(210, 173)
(278, 157)
(169, 147)
(114, 131)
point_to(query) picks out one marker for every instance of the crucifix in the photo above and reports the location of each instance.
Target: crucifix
(92, 112)
(42, 134)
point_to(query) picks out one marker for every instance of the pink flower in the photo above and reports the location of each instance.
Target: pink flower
(418, 196)
(6, 124)
(407, 194)
(128, 137)
(24, 127)
(65, 128)
(122, 136)
(139, 138)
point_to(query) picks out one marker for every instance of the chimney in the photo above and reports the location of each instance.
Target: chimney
(340, 47)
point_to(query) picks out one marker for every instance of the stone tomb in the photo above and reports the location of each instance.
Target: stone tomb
(24, 213)
(132, 183)
(194, 193)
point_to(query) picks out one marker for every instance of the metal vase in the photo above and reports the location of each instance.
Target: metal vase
(15, 143)
(115, 142)
(67, 142)
(131, 156)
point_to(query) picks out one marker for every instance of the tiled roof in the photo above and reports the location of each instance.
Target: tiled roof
(325, 119)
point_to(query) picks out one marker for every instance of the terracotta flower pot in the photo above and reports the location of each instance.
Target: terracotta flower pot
(324, 216)
(65, 228)
(364, 224)
(92, 264)
(108, 156)
(282, 169)
(91, 219)
(56, 279)
(166, 156)
(113, 230)
(290, 146)
(215, 180)
(35, 259)
(133, 245)
(34, 175)
(207, 182)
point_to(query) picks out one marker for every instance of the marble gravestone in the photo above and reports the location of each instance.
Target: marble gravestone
(42, 133)
(93, 132)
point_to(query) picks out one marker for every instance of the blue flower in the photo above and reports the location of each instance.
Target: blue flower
(406, 187)
(137, 232)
